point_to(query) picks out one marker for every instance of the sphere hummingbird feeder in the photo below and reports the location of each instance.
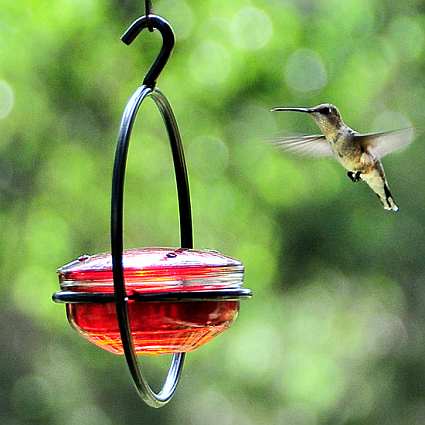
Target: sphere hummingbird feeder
(151, 300)
(178, 299)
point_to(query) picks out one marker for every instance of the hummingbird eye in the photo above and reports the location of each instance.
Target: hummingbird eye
(326, 110)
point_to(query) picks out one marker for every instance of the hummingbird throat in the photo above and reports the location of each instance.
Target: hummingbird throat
(330, 126)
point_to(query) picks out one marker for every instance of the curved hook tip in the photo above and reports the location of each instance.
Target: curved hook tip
(134, 30)
(167, 43)
(126, 39)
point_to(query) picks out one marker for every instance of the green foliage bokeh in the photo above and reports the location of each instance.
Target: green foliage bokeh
(335, 333)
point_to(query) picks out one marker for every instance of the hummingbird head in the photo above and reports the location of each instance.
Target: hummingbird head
(326, 116)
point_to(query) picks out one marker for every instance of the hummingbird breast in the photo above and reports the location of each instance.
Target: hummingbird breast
(348, 153)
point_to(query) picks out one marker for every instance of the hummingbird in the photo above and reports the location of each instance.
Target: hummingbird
(360, 154)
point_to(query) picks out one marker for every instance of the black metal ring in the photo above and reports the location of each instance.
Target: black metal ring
(142, 386)
(71, 297)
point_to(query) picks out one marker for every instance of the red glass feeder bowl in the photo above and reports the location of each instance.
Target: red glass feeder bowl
(178, 299)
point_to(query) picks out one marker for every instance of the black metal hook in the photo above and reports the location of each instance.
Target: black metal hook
(167, 43)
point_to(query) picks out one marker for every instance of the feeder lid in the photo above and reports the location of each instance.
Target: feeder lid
(155, 270)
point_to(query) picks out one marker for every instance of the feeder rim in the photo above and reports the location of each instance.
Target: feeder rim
(80, 297)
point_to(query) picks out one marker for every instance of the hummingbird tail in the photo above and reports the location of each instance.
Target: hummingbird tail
(388, 201)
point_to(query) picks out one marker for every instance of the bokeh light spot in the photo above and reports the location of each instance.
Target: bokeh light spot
(305, 71)
(181, 17)
(408, 36)
(7, 99)
(80, 415)
(251, 28)
(210, 63)
(29, 397)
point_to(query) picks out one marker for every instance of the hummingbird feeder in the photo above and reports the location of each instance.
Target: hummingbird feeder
(151, 300)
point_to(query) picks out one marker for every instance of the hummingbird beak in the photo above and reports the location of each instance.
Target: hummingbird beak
(278, 109)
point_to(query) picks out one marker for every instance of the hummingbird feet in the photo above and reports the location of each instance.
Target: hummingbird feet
(354, 176)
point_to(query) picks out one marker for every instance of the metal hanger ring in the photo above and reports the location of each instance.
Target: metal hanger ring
(117, 203)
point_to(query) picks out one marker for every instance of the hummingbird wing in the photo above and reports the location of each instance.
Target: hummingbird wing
(381, 144)
(315, 145)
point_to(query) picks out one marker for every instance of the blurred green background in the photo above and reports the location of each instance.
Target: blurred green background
(335, 333)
